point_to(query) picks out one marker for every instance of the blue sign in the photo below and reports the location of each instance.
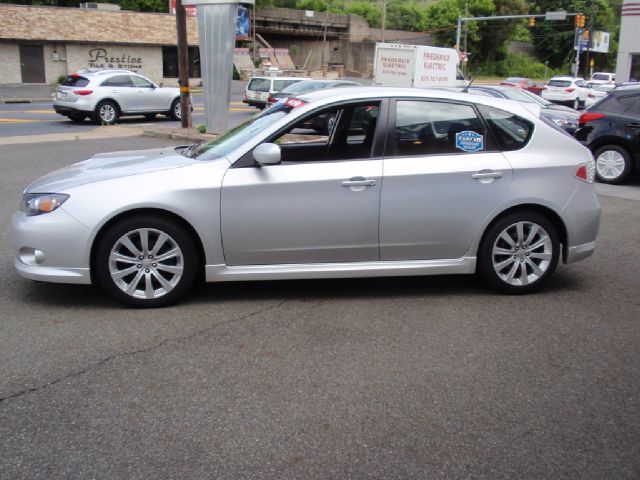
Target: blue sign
(243, 23)
(469, 141)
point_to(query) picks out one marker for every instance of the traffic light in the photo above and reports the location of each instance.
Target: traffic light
(532, 22)
(580, 21)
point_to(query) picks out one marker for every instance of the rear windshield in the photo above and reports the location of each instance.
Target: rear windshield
(259, 84)
(280, 84)
(300, 87)
(514, 79)
(600, 76)
(75, 81)
(559, 83)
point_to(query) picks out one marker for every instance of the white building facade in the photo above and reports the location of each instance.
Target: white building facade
(628, 64)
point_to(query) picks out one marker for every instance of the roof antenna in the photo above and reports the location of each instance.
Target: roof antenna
(466, 87)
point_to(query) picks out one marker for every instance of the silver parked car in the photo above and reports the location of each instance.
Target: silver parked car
(104, 95)
(407, 182)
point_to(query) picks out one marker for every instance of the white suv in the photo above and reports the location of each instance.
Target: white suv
(602, 78)
(569, 90)
(259, 89)
(104, 95)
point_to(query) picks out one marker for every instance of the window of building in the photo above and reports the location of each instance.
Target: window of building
(170, 62)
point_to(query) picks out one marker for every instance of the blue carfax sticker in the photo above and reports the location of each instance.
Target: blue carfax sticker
(469, 141)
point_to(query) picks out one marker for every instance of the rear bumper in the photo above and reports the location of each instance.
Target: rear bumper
(64, 110)
(255, 103)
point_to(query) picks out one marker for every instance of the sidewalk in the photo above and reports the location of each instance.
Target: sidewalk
(187, 134)
(26, 92)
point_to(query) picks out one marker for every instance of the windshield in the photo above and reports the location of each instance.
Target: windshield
(234, 137)
(280, 84)
(518, 95)
(304, 87)
(514, 79)
(603, 88)
(537, 98)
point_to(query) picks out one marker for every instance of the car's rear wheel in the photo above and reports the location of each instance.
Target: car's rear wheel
(519, 252)
(146, 261)
(107, 112)
(613, 164)
(176, 110)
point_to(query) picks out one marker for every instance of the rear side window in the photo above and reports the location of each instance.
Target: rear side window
(435, 128)
(559, 83)
(280, 84)
(259, 84)
(616, 103)
(75, 81)
(117, 81)
(510, 131)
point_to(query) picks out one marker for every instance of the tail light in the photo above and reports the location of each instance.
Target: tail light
(589, 117)
(83, 92)
(569, 90)
(270, 99)
(586, 172)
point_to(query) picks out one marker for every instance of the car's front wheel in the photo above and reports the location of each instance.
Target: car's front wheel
(107, 112)
(146, 261)
(519, 252)
(613, 164)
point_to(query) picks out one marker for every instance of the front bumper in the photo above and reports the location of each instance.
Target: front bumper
(53, 247)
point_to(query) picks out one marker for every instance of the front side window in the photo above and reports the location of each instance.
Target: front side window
(336, 133)
(140, 82)
(435, 128)
(510, 131)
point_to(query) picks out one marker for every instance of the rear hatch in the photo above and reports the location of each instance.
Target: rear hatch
(72, 88)
(559, 87)
(258, 89)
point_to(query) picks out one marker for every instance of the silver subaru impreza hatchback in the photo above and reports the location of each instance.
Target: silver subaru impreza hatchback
(405, 182)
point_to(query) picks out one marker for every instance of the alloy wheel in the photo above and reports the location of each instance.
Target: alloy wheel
(522, 253)
(146, 263)
(107, 113)
(610, 165)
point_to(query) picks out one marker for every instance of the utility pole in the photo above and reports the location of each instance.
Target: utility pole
(384, 18)
(183, 64)
(324, 36)
(588, 62)
(466, 32)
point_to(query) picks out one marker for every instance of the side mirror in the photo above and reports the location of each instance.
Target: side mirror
(267, 154)
(160, 85)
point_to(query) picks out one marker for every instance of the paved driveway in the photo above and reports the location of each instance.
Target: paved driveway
(407, 378)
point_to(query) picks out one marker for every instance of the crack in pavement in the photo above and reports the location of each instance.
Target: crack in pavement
(140, 351)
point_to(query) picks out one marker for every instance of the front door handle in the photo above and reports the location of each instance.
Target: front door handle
(359, 183)
(485, 174)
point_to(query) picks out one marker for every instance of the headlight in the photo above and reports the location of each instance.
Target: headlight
(39, 203)
(561, 122)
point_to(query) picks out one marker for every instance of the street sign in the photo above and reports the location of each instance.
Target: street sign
(561, 15)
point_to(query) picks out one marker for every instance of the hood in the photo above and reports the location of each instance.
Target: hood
(562, 108)
(104, 166)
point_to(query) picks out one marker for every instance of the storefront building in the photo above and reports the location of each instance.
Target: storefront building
(628, 64)
(39, 44)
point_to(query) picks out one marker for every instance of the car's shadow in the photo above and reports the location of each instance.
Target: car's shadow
(448, 286)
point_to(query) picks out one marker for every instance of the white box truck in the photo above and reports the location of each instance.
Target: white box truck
(397, 65)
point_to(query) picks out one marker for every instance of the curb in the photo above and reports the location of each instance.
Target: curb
(178, 135)
(24, 100)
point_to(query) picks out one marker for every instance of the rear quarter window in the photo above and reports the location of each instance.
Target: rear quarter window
(510, 131)
(616, 103)
(75, 81)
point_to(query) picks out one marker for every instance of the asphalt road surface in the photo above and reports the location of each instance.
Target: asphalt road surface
(40, 118)
(407, 378)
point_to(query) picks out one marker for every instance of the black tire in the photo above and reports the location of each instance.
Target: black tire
(77, 117)
(107, 113)
(177, 271)
(517, 259)
(150, 116)
(175, 112)
(613, 164)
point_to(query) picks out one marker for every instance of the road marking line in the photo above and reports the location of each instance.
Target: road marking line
(28, 111)
(20, 120)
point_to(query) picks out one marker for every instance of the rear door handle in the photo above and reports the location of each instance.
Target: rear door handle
(633, 125)
(481, 175)
(359, 183)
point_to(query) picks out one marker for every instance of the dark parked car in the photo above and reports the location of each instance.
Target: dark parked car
(559, 115)
(611, 129)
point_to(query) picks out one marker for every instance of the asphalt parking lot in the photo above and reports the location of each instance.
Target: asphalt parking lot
(405, 378)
